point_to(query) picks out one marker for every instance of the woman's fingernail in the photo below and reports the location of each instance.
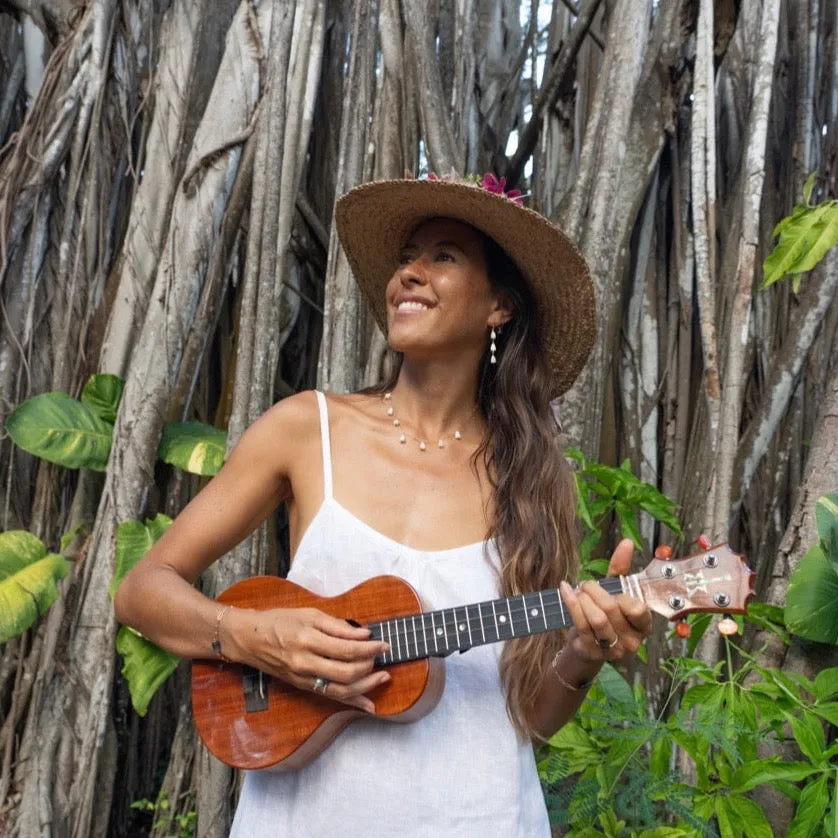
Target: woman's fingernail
(565, 588)
(384, 677)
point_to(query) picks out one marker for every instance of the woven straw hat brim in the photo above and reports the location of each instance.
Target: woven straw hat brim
(374, 220)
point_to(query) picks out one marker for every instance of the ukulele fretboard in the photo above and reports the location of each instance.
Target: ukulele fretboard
(439, 633)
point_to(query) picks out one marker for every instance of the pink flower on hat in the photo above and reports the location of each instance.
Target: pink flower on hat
(493, 184)
(490, 182)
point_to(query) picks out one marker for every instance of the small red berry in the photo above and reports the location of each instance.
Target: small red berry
(684, 629)
(663, 551)
(704, 542)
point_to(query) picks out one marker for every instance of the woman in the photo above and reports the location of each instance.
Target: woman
(450, 477)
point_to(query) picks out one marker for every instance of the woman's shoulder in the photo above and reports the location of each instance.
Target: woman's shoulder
(300, 413)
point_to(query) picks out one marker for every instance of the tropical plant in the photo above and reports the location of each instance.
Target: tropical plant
(610, 770)
(811, 609)
(28, 581)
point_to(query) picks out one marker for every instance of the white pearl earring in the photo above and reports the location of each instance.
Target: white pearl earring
(493, 348)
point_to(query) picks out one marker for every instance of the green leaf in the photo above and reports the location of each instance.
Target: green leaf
(826, 683)
(768, 617)
(700, 694)
(661, 757)
(826, 515)
(809, 186)
(628, 524)
(812, 599)
(811, 809)
(133, 540)
(193, 446)
(28, 577)
(768, 771)
(145, 666)
(730, 825)
(59, 429)
(828, 711)
(616, 689)
(808, 733)
(803, 242)
(102, 395)
(751, 816)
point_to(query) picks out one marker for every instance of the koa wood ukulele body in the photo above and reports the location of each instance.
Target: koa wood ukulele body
(250, 720)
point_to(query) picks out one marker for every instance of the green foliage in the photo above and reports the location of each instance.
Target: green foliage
(59, 429)
(194, 447)
(102, 394)
(805, 237)
(610, 770)
(603, 491)
(28, 577)
(79, 434)
(178, 824)
(812, 601)
(145, 665)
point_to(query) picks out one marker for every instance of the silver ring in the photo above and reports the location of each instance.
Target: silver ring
(320, 685)
(604, 644)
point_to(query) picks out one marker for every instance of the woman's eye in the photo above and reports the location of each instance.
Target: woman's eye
(445, 256)
(404, 259)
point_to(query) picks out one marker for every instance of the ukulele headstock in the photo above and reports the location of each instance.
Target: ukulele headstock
(714, 580)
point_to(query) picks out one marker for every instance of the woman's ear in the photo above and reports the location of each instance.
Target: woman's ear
(503, 310)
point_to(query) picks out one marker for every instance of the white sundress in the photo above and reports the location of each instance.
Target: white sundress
(461, 771)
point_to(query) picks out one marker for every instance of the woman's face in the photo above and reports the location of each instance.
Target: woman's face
(440, 296)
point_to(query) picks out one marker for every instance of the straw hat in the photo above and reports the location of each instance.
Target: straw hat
(375, 219)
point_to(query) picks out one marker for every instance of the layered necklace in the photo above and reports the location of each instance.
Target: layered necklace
(387, 399)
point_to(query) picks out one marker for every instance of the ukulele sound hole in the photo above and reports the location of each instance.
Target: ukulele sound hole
(255, 685)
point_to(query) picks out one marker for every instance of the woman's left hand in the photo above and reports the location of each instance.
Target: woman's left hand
(606, 627)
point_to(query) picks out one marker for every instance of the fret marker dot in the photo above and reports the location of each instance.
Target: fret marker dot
(534, 612)
(502, 618)
(462, 627)
(439, 632)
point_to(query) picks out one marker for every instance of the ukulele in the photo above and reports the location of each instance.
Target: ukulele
(250, 720)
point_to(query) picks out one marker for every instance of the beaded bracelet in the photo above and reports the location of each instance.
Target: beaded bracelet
(216, 642)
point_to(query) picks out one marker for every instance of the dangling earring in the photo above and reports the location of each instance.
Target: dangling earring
(493, 347)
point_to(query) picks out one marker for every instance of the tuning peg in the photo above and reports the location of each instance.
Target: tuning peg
(683, 629)
(703, 542)
(728, 626)
(663, 551)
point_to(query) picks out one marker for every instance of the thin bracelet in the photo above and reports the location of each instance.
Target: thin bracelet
(580, 688)
(216, 642)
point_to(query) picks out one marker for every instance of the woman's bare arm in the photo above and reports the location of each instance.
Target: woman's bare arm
(158, 599)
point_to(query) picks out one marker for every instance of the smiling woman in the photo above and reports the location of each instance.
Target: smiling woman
(488, 309)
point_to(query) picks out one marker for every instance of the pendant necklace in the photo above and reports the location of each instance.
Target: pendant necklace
(440, 443)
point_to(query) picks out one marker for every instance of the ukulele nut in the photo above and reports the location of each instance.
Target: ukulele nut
(711, 560)
(676, 602)
(721, 599)
(668, 571)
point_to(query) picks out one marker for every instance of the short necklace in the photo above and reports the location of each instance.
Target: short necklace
(403, 435)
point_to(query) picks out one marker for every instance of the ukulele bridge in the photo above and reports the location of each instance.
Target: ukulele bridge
(255, 685)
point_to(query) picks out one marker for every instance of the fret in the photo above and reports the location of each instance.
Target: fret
(543, 610)
(398, 640)
(468, 623)
(480, 623)
(445, 629)
(433, 628)
(495, 615)
(509, 611)
(424, 636)
(526, 616)
(455, 641)
(390, 641)
(407, 655)
(561, 605)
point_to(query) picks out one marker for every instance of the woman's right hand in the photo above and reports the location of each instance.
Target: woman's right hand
(301, 644)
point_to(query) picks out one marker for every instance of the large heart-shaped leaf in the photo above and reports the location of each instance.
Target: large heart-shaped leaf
(826, 515)
(193, 446)
(133, 540)
(145, 666)
(812, 599)
(28, 576)
(102, 395)
(55, 427)
(804, 240)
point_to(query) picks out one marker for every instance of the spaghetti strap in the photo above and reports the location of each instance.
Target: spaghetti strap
(327, 450)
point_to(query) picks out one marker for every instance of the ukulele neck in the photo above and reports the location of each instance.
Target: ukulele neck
(439, 633)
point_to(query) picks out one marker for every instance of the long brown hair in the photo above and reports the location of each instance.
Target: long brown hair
(534, 522)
